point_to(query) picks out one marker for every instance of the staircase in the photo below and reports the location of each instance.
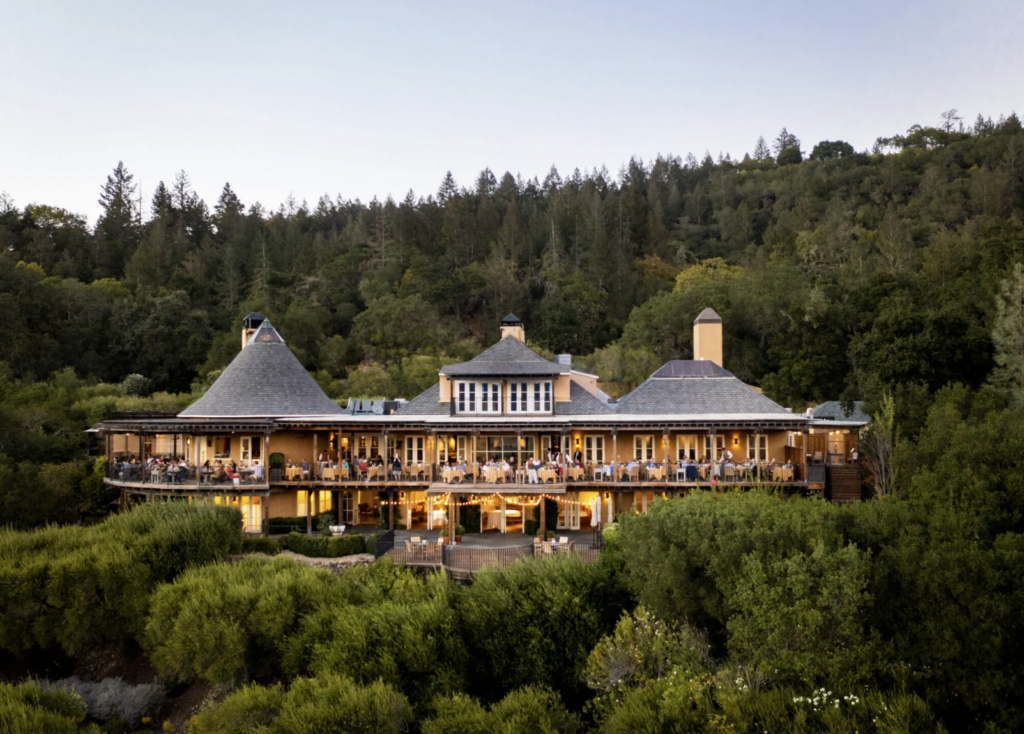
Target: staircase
(844, 483)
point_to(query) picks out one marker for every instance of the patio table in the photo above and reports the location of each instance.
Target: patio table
(293, 472)
(780, 473)
(657, 473)
(574, 473)
(548, 475)
(451, 474)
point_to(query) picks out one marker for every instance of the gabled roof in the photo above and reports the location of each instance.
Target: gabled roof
(508, 357)
(265, 380)
(833, 411)
(581, 402)
(693, 393)
(427, 402)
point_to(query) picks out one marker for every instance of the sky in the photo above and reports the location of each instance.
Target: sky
(368, 99)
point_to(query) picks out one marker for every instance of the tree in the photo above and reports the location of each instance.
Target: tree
(829, 149)
(448, 188)
(1008, 337)
(951, 119)
(880, 447)
(161, 203)
(761, 150)
(117, 231)
(785, 141)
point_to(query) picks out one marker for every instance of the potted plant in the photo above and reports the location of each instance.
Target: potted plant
(459, 530)
(276, 464)
(550, 534)
(444, 533)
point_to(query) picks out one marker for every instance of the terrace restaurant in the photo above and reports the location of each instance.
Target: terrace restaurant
(493, 441)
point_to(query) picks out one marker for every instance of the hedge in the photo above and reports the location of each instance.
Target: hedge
(70, 585)
(260, 545)
(316, 546)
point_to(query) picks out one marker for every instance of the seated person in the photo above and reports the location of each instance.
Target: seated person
(257, 471)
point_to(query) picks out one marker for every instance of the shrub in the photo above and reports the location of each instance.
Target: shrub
(311, 706)
(31, 708)
(260, 545)
(113, 698)
(69, 585)
(289, 524)
(315, 546)
(528, 710)
(276, 461)
(225, 622)
(471, 517)
(536, 622)
(410, 639)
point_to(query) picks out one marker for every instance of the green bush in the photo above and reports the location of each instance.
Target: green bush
(279, 524)
(276, 461)
(260, 545)
(226, 622)
(70, 585)
(317, 546)
(535, 623)
(32, 708)
(327, 703)
(410, 639)
(529, 710)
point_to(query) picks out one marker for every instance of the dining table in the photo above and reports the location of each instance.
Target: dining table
(574, 473)
(293, 472)
(451, 474)
(782, 474)
(656, 473)
(548, 475)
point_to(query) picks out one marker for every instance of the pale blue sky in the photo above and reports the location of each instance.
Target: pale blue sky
(375, 98)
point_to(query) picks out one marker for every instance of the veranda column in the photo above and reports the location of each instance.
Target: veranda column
(314, 465)
(391, 509)
(266, 456)
(543, 518)
(519, 453)
(309, 507)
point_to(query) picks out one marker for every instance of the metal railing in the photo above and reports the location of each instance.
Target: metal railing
(180, 477)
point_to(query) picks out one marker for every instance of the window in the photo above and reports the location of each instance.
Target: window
(494, 398)
(462, 397)
(536, 396)
(485, 404)
(643, 448)
(300, 503)
(714, 445)
(513, 397)
(472, 397)
(547, 397)
(593, 449)
(501, 447)
(414, 450)
(222, 447)
(757, 447)
(686, 448)
(489, 394)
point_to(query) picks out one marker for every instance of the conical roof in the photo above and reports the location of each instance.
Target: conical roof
(265, 380)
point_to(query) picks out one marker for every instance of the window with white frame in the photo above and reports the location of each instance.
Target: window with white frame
(757, 447)
(478, 397)
(686, 448)
(414, 449)
(593, 449)
(529, 397)
(714, 445)
(643, 448)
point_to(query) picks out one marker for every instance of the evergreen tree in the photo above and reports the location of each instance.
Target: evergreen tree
(448, 188)
(118, 227)
(161, 203)
(761, 151)
(1008, 337)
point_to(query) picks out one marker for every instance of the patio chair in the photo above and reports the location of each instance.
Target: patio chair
(729, 473)
(817, 457)
(416, 539)
(563, 539)
(634, 474)
(547, 549)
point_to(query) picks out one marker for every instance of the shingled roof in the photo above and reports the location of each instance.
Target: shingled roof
(427, 402)
(581, 402)
(691, 393)
(508, 357)
(265, 380)
(833, 411)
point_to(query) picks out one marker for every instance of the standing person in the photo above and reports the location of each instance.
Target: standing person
(577, 458)
(531, 471)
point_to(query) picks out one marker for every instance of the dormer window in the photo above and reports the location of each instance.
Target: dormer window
(529, 397)
(478, 397)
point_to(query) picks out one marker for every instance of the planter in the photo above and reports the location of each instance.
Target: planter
(276, 475)
(458, 538)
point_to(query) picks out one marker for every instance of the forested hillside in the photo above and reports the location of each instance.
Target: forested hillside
(838, 274)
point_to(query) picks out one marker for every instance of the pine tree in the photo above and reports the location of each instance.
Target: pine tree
(785, 141)
(1008, 337)
(161, 203)
(448, 188)
(761, 151)
(117, 231)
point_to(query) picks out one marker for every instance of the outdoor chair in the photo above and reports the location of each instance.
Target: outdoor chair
(728, 473)
(817, 457)
(634, 474)
(416, 539)
(547, 549)
(563, 539)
